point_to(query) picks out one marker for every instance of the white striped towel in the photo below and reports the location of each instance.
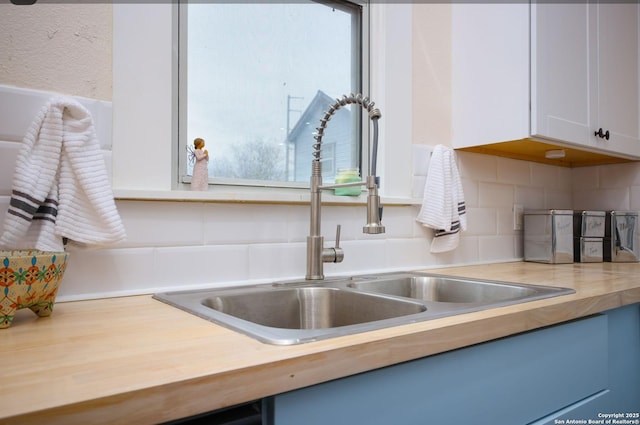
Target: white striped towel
(443, 207)
(61, 189)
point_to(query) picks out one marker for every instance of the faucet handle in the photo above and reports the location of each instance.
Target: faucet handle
(335, 254)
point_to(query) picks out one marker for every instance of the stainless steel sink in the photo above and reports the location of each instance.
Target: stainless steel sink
(448, 289)
(310, 307)
(294, 312)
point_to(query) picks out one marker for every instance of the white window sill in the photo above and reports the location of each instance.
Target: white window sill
(247, 195)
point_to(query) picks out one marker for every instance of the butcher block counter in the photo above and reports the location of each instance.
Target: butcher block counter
(137, 360)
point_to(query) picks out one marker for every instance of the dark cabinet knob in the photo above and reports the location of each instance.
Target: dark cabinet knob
(601, 134)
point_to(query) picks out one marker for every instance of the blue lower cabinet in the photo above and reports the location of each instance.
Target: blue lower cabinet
(516, 380)
(624, 358)
(622, 395)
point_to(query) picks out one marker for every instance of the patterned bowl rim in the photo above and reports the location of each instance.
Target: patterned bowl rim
(30, 253)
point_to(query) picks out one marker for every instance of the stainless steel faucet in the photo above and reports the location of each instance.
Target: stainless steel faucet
(317, 254)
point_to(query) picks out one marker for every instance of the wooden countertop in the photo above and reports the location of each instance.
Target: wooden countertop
(136, 360)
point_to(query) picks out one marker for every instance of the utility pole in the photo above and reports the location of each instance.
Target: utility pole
(287, 141)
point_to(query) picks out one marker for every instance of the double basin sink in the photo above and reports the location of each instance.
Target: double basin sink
(295, 312)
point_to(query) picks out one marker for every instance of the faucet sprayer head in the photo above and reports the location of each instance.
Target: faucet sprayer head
(374, 209)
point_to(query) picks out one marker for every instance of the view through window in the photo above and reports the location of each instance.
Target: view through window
(258, 77)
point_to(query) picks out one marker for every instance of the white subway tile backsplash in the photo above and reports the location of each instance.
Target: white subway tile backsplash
(482, 168)
(360, 256)
(634, 198)
(244, 223)
(470, 190)
(271, 261)
(298, 217)
(467, 252)
(505, 221)
(398, 222)
(495, 195)
(4, 205)
(496, 248)
(621, 176)
(530, 197)
(602, 199)
(583, 178)
(96, 273)
(545, 176)
(558, 200)
(513, 171)
(350, 219)
(161, 223)
(481, 221)
(518, 245)
(174, 245)
(409, 253)
(563, 181)
(8, 156)
(180, 267)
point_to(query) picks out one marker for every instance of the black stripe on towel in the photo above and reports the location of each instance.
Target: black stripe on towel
(455, 228)
(20, 205)
(46, 213)
(17, 214)
(18, 194)
(28, 208)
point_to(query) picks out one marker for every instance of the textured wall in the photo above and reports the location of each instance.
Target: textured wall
(66, 48)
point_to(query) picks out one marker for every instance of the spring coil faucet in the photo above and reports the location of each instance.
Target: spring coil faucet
(317, 254)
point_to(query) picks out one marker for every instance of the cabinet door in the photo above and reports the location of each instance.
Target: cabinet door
(617, 76)
(490, 73)
(584, 75)
(560, 85)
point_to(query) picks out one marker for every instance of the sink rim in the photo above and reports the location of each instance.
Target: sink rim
(190, 301)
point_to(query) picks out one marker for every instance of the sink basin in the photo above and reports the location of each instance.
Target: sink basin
(449, 290)
(310, 307)
(295, 312)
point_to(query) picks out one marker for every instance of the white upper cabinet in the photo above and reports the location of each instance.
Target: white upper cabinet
(490, 73)
(584, 75)
(551, 72)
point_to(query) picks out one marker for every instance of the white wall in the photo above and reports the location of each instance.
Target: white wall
(57, 47)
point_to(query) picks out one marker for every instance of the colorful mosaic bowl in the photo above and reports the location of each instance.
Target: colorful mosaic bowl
(29, 279)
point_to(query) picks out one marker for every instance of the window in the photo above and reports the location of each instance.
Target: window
(258, 77)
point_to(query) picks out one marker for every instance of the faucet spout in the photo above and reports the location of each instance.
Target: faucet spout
(317, 254)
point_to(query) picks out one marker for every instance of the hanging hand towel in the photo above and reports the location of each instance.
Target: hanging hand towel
(61, 189)
(443, 207)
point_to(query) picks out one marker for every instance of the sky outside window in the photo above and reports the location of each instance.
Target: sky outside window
(246, 60)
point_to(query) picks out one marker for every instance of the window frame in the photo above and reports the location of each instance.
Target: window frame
(362, 63)
(144, 134)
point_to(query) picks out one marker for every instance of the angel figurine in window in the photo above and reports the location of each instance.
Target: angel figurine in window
(200, 159)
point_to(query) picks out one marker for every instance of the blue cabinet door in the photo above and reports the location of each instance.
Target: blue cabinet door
(624, 358)
(514, 380)
(622, 395)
